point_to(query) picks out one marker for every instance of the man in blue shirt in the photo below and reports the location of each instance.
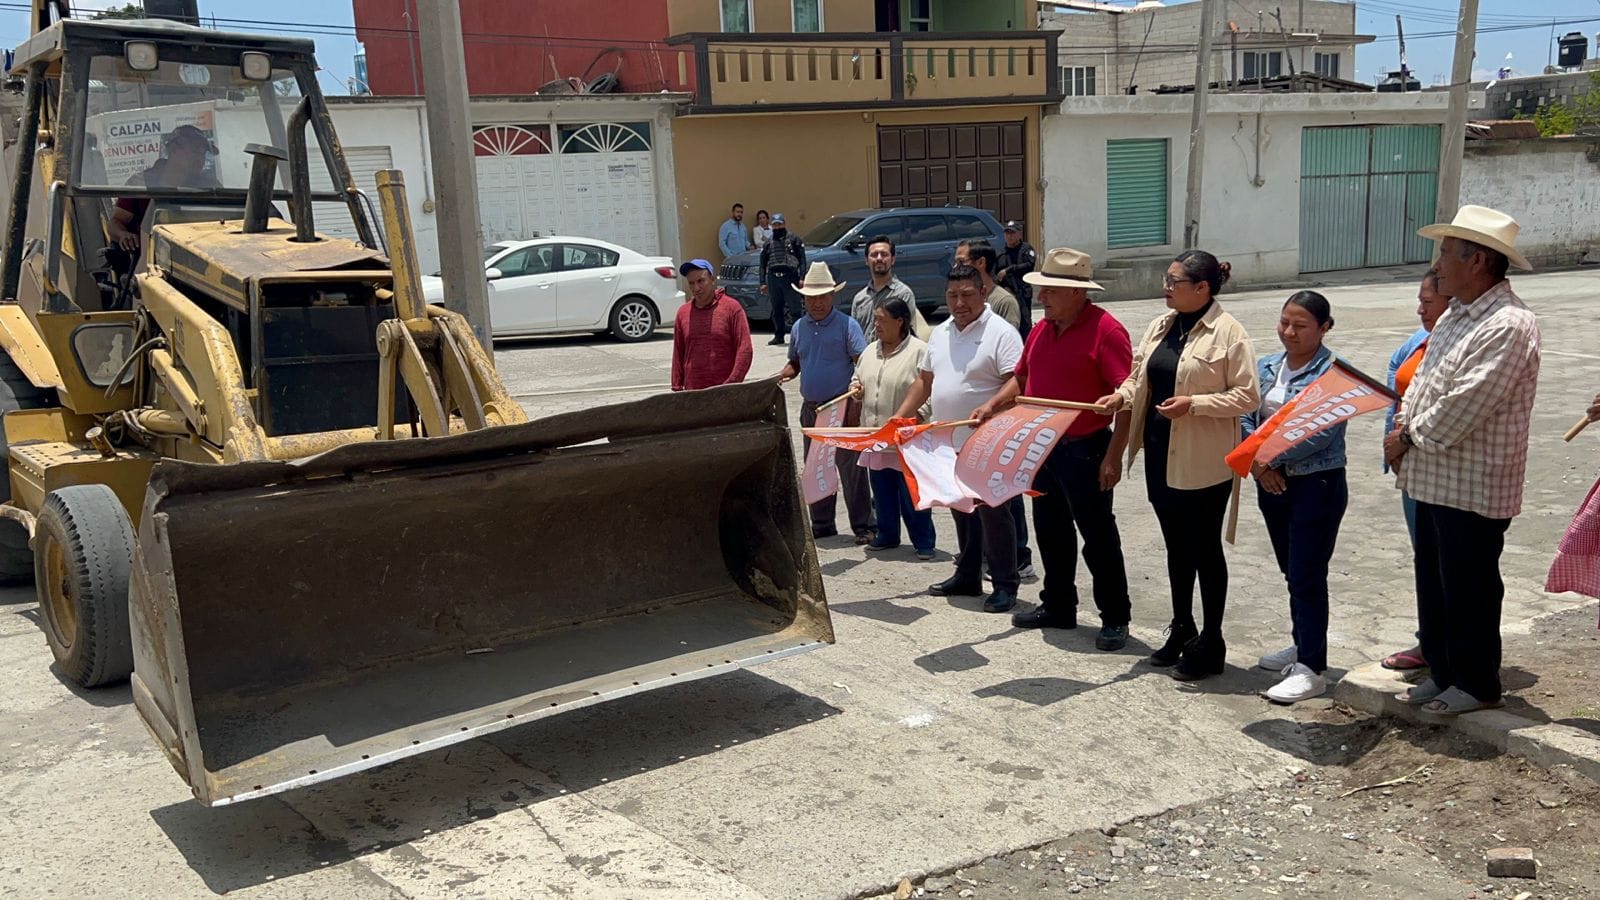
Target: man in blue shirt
(823, 352)
(732, 237)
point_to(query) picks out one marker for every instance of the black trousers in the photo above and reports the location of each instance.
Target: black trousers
(852, 484)
(1070, 502)
(1459, 592)
(1191, 528)
(987, 535)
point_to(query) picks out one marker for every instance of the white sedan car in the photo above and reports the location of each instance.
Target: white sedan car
(553, 284)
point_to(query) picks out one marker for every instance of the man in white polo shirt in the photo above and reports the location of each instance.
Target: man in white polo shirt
(971, 356)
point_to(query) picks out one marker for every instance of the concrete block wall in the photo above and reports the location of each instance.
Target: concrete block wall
(1527, 95)
(1179, 26)
(1551, 186)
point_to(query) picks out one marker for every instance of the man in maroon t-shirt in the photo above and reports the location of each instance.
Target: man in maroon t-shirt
(1079, 352)
(182, 165)
(710, 336)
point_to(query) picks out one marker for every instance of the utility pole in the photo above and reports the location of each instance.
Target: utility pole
(444, 85)
(1455, 125)
(1197, 128)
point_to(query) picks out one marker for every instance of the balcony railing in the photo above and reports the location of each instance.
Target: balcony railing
(842, 70)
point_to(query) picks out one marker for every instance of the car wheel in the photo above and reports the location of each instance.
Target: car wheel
(633, 319)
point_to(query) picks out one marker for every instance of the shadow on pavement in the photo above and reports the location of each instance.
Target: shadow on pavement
(882, 610)
(1037, 691)
(235, 847)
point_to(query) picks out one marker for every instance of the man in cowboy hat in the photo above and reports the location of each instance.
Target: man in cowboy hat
(1460, 448)
(972, 356)
(823, 349)
(1079, 352)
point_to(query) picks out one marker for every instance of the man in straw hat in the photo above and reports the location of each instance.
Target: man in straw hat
(1079, 352)
(971, 357)
(1460, 447)
(823, 349)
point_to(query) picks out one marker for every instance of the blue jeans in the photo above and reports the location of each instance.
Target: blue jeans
(1303, 523)
(892, 499)
(1019, 520)
(1409, 506)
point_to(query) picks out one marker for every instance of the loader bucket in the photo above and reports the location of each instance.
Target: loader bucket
(295, 622)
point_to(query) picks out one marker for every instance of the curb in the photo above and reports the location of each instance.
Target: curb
(1371, 689)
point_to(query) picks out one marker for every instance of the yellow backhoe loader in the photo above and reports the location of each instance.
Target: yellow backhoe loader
(249, 467)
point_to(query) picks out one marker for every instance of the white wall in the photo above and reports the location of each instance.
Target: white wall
(1252, 223)
(401, 124)
(1550, 186)
(403, 129)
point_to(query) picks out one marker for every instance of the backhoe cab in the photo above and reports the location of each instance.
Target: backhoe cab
(247, 465)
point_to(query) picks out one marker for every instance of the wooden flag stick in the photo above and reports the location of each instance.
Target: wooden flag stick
(1061, 404)
(834, 402)
(1576, 429)
(960, 424)
(840, 430)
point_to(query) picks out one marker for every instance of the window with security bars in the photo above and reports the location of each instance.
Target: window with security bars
(1077, 81)
(1327, 64)
(1262, 65)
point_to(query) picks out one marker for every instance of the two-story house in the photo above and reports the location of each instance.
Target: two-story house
(806, 107)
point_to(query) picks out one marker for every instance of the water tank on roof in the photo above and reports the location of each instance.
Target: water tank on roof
(1572, 50)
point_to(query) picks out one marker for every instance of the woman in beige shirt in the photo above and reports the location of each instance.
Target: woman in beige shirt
(1194, 375)
(883, 376)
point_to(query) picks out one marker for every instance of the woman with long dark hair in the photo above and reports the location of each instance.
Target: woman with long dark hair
(1302, 495)
(1194, 375)
(883, 376)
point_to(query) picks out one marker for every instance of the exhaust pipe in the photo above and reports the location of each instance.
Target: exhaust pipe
(263, 175)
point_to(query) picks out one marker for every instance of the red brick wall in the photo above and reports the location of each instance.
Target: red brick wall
(513, 48)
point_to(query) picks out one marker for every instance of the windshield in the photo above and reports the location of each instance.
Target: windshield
(185, 125)
(829, 232)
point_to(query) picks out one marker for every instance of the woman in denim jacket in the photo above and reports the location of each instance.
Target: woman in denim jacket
(1302, 495)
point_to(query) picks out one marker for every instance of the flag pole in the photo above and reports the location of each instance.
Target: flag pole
(835, 401)
(1577, 428)
(1060, 404)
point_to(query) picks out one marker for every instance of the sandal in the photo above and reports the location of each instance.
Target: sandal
(1405, 660)
(1418, 694)
(1454, 702)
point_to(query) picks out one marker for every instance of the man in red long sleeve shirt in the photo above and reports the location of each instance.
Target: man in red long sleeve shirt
(711, 336)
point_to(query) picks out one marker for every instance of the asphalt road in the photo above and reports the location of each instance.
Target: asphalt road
(931, 735)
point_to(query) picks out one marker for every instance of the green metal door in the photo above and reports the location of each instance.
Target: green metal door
(1364, 192)
(1136, 193)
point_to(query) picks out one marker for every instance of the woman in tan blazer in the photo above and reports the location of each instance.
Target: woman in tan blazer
(1194, 375)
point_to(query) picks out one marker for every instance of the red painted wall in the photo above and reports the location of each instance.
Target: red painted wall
(514, 47)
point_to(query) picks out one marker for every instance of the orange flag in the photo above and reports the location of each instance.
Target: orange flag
(1001, 458)
(1341, 393)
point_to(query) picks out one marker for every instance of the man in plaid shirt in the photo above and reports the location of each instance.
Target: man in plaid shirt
(1460, 447)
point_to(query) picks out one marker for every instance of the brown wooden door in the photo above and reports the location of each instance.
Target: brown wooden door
(979, 164)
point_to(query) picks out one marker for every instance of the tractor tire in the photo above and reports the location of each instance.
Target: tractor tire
(83, 553)
(16, 393)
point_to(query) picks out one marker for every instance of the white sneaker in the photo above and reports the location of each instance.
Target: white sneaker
(1283, 659)
(1302, 684)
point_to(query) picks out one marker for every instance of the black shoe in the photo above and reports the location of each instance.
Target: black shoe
(1111, 637)
(776, 342)
(1206, 655)
(955, 587)
(1178, 634)
(866, 537)
(1045, 617)
(999, 602)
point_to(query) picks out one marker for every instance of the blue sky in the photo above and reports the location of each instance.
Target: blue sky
(1429, 24)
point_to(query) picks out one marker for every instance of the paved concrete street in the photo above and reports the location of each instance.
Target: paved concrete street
(931, 736)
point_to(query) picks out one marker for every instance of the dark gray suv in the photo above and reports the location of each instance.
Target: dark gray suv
(925, 248)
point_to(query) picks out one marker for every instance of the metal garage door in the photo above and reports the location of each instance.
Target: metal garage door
(591, 180)
(1364, 192)
(333, 219)
(982, 165)
(1136, 193)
